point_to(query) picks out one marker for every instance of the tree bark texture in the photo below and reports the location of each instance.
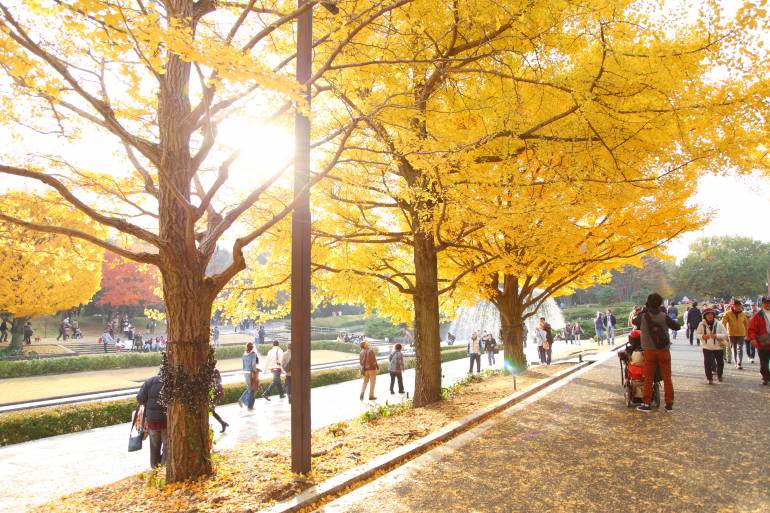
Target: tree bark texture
(17, 333)
(188, 311)
(187, 295)
(509, 300)
(427, 340)
(513, 340)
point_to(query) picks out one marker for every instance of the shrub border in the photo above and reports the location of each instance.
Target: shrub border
(130, 360)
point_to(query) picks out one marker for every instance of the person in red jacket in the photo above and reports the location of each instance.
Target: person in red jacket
(759, 335)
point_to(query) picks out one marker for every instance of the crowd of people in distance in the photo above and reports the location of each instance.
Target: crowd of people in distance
(126, 337)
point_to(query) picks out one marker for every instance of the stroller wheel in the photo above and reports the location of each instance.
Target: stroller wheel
(628, 393)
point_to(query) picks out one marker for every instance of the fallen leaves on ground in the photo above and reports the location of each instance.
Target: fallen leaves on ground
(258, 474)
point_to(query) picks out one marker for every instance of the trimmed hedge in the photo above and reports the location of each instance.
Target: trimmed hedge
(63, 365)
(24, 426)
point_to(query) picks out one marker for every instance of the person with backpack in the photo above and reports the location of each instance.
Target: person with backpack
(693, 318)
(219, 393)
(369, 370)
(396, 369)
(609, 325)
(713, 337)
(759, 335)
(737, 325)
(599, 327)
(154, 419)
(654, 323)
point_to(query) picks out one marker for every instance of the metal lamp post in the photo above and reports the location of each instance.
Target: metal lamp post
(300, 253)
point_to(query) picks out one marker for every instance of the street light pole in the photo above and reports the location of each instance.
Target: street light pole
(300, 250)
(300, 258)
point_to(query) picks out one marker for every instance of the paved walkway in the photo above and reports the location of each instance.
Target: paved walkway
(39, 388)
(41, 470)
(578, 448)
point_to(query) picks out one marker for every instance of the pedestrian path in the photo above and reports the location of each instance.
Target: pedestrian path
(579, 448)
(41, 470)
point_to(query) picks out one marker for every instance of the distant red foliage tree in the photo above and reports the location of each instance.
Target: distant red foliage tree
(128, 284)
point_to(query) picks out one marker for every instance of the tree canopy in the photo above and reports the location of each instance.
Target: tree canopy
(43, 273)
(724, 267)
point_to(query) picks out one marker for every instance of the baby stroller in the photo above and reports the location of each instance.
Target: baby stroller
(632, 373)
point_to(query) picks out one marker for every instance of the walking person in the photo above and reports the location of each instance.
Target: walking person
(215, 335)
(693, 318)
(474, 352)
(286, 366)
(673, 314)
(3, 330)
(396, 369)
(540, 336)
(249, 361)
(548, 345)
(713, 337)
(609, 324)
(219, 393)
(369, 370)
(106, 339)
(27, 331)
(737, 324)
(490, 347)
(273, 364)
(759, 335)
(568, 333)
(654, 324)
(631, 316)
(577, 333)
(155, 419)
(599, 327)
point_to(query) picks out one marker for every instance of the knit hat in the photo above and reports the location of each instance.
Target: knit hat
(766, 299)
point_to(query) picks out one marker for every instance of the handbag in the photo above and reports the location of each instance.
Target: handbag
(135, 440)
(764, 340)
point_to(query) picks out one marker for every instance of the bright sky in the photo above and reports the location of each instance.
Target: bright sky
(739, 206)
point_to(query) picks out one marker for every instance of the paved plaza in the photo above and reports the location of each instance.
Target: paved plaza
(578, 448)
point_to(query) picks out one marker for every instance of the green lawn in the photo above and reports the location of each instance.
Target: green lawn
(339, 322)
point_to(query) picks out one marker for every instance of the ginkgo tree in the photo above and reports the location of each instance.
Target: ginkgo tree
(43, 273)
(547, 240)
(145, 86)
(459, 92)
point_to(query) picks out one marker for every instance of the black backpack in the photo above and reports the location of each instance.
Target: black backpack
(658, 333)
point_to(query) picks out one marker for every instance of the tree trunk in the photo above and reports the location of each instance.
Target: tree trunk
(427, 340)
(17, 333)
(512, 326)
(188, 298)
(188, 310)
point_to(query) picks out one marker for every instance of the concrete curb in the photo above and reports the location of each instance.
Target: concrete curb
(393, 459)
